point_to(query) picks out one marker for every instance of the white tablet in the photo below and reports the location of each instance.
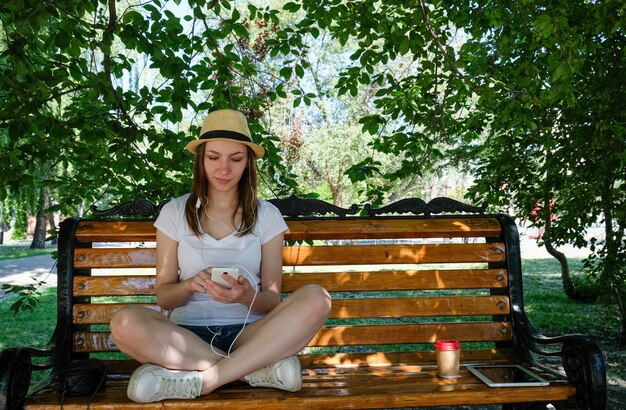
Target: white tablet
(506, 376)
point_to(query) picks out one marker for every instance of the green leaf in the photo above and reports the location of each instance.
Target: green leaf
(299, 70)
(285, 72)
(62, 39)
(403, 48)
(291, 7)
(241, 31)
(132, 17)
(236, 15)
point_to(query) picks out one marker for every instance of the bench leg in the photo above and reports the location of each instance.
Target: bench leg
(15, 371)
(570, 405)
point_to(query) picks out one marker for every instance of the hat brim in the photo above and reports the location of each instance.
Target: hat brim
(193, 145)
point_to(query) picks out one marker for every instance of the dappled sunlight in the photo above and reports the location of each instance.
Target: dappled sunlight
(462, 225)
(446, 384)
(296, 255)
(145, 287)
(328, 337)
(178, 349)
(411, 369)
(414, 254)
(370, 360)
(344, 312)
(345, 277)
(120, 226)
(441, 284)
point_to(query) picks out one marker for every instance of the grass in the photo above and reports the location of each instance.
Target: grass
(21, 250)
(551, 311)
(28, 328)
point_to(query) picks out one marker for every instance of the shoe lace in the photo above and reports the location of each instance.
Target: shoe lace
(267, 375)
(181, 386)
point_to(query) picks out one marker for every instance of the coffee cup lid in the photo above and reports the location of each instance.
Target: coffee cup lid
(444, 344)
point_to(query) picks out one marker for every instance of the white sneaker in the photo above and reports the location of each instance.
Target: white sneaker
(284, 374)
(154, 383)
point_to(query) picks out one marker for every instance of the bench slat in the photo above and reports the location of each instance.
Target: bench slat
(393, 254)
(92, 313)
(393, 228)
(419, 307)
(350, 360)
(87, 342)
(97, 314)
(112, 258)
(332, 281)
(399, 280)
(315, 255)
(401, 386)
(116, 231)
(144, 231)
(114, 285)
(412, 333)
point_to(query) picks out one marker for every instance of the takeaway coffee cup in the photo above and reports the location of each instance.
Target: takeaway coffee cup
(448, 354)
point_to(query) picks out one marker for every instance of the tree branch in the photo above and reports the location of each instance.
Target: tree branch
(107, 68)
(451, 63)
(440, 46)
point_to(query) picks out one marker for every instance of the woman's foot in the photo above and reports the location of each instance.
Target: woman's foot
(155, 383)
(284, 374)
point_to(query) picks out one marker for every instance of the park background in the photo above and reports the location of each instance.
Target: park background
(518, 105)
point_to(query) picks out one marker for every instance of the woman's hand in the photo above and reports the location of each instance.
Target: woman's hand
(240, 290)
(199, 283)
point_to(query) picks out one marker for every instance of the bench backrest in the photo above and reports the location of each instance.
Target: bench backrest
(399, 283)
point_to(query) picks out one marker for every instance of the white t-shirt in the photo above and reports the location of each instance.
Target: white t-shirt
(195, 254)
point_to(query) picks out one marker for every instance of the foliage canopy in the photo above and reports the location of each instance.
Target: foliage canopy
(98, 98)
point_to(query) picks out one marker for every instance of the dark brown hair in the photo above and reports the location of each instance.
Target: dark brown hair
(246, 194)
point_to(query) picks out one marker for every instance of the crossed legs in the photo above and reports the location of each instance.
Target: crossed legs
(150, 337)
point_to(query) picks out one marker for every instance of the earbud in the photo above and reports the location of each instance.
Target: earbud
(198, 203)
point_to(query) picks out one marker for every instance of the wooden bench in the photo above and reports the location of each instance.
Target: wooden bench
(399, 283)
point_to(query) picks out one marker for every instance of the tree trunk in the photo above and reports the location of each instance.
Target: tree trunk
(566, 278)
(51, 224)
(39, 236)
(568, 285)
(611, 269)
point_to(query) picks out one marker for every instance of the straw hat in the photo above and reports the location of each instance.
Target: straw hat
(226, 125)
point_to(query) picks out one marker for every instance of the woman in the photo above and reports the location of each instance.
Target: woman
(217, 334)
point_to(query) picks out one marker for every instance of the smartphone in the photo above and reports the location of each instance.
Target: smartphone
(216, 275)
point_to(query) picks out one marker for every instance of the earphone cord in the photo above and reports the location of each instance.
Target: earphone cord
(252, 280)
(199, 204)
(245, 322)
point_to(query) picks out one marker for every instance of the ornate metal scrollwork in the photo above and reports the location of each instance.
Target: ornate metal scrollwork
(296, 206)
(418, 206)
(15, 374)
(584, 366)
(138, 208)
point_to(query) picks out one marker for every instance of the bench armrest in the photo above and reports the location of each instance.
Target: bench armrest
(582, 359)
(16, 369)
(15, 372)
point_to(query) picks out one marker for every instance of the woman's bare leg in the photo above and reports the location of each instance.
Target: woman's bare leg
(281, 333)
(149, 337)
